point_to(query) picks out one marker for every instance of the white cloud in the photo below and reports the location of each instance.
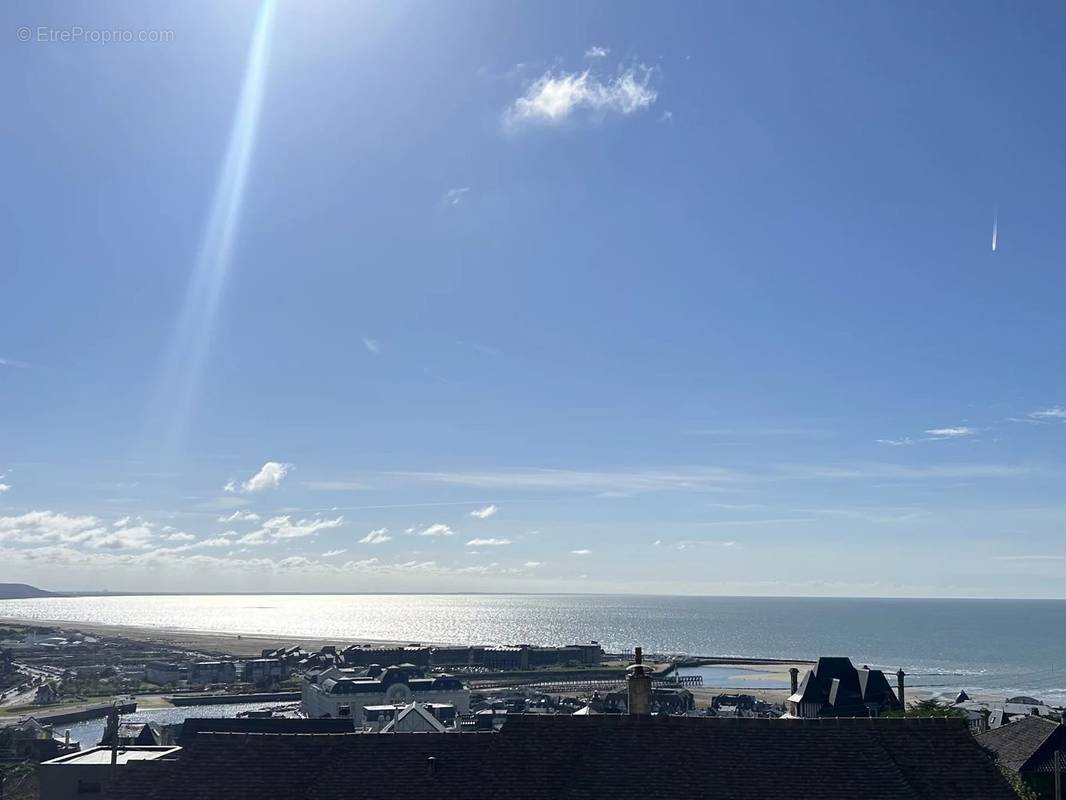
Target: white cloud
(52, 528)
(4, 487)
(296, 562)
(957, 432)
(372, 345)
(269, 476)
(332, 553)
(532, 564)
(488, 542)
(378, 536)
(1055, 413)
(439, 529)
(179, 537)
(136, 538)
(552, 99)
(667, 116)
(597, 52)
(687, 543)
(225, 540)
(282, 527)
(109, 559)
(38, 527)
(364, 563)
(240, 516)
(484, 513)
(657, 542)
(121, 523)
(581, 552)
(905, 441)
(455, 196)
(879, 471)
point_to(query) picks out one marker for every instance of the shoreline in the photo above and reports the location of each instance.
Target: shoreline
(242, 645)
(231, 643)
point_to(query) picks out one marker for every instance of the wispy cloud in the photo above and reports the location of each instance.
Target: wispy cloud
(768, 432)
(378, 536)
(454, 197)
(1053, 414)
(14, 363)
(579, 480)
(488, 542)
(744, 523)
(332, 553)
(904, 442)
(372, 345)
(582, 552)
(875, 515)
(240, 516)
(554, 98)
(334, 486)
(270, 476)
(685, 544)
(1032, 558)
(283, 527)
(878, 471)
(480, 513)
(438, 529)
(597, 52)
(956, 432)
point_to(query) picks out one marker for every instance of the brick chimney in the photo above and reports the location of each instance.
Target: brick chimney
(900, 675)
(793, 678)
(638, 681)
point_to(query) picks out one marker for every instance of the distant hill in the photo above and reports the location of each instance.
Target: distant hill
(15, 591)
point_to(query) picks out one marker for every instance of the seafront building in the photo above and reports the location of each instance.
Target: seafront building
(835, 688)
(343, 692)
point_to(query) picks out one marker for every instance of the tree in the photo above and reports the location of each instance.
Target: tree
(929, 708)
(1019, 786)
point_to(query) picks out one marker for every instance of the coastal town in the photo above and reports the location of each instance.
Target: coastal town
(94, 712)
(533, 400)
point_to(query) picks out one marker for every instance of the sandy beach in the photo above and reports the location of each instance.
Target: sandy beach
(215, 643)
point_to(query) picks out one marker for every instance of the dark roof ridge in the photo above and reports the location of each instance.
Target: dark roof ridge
(664, 719)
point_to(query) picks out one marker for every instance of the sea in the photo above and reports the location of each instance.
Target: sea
(999, 647)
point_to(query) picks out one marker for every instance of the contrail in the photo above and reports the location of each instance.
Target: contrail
(995, 228)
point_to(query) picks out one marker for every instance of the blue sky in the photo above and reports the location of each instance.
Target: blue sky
(677, 297)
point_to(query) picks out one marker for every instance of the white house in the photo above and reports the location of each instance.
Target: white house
(339, 692)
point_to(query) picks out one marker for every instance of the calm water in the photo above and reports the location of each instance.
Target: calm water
(90, 731)
(1017, 646)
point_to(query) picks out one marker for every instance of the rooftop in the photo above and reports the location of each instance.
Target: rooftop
(1026, 744)
(102, 755)
(612, 756)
